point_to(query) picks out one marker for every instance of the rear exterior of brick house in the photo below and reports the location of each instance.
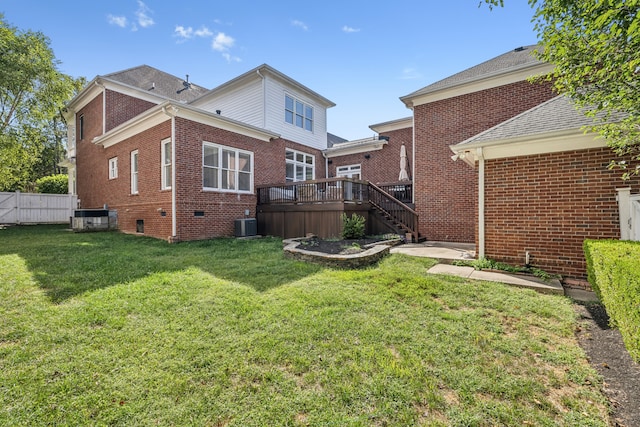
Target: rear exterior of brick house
(114, 122)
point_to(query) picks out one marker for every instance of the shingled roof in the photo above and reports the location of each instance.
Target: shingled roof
(158, 82)
(519, 58)
(555, 115)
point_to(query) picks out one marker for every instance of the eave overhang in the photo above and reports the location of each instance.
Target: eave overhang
(168, 109)
(528, 145)
(488, 81)
(354, 147)
(392, 125)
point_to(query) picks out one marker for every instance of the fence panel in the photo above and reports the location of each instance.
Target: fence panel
(30, 208)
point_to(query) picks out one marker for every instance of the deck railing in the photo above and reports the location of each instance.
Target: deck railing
(388, 199)
(402, 190)
(319, 191)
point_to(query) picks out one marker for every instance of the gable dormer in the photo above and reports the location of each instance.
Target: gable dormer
(266, 98)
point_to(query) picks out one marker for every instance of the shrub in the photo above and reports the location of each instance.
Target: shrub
(614, 273)
(53, 184)
(352, 227)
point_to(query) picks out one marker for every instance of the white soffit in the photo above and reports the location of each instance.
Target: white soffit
(392, 125)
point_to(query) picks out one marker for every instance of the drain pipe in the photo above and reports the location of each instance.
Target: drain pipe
(171, 111)
(481, 218)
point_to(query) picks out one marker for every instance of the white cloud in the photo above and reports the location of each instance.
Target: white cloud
(185, 33)
(222, 42)
(348, 29)
(144, 20)
(409, 73)
(231, 58)
(299, 24)
(120, 21)
(203, 32)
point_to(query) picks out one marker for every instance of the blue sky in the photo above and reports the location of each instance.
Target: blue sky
(362, 55)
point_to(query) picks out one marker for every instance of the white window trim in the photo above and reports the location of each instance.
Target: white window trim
(347, 171)
(304, 111)
(113, 168)
(164, 164)
(220, 169)
(134, 172)
(294, 162)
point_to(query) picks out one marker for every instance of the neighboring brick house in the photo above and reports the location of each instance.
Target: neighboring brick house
(180, 162)
(452, 110)
(375, 159)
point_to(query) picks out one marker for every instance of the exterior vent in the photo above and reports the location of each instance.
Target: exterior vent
(246, 227)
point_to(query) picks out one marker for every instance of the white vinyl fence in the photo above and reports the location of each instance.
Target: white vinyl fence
(29, 208)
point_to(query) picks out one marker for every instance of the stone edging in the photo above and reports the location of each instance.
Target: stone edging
(374, 253)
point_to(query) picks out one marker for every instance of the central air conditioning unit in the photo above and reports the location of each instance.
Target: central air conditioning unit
(94, 220)
(245, 227)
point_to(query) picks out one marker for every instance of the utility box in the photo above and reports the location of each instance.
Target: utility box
(245, 227)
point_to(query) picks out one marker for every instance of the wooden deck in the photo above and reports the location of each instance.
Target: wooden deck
(297, 209)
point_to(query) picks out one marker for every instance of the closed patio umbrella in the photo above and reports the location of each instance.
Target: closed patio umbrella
(404, 176)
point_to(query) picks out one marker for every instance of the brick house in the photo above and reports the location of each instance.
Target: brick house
(180, 162)
(528, 185)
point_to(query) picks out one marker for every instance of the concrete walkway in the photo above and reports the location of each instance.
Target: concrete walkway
(446, 252)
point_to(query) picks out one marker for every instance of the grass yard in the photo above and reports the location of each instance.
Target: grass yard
(111, 329)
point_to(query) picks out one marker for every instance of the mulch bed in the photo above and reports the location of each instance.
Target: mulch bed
(337, 247)
(607, 354)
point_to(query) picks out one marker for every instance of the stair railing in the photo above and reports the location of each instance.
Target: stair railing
(394, 210)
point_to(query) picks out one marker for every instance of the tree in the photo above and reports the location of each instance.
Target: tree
(595, 47)
(32, 96)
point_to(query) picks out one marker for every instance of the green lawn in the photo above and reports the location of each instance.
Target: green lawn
(110, 329)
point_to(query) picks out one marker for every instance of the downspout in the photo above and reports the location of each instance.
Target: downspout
(264, 100)
(171, 112)
(174, 221)
(481, 219)
(413, 155)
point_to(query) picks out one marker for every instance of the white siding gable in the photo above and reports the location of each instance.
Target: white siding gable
(244, 104)
(275, 118)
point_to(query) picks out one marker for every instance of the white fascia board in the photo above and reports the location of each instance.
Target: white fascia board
(97, 85)
(90, 91)
(476, 85)
(392, 125)
(552, 142)
(164, 111)
(354, 149)
(140, 123)
(225, 123)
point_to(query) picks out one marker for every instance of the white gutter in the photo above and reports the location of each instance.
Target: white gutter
(264, 99)
(481, 200)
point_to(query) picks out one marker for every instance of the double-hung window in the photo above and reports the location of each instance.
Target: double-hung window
(134, 172)
(166, 164)
(113, 168)
(226, 168)
(298, 113)
(299, 166)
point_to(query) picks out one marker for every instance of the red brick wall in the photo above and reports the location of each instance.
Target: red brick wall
(446, 191)
(547, 205)
(383, 166)
(121, 108)
(92, 170)
(221, 209)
